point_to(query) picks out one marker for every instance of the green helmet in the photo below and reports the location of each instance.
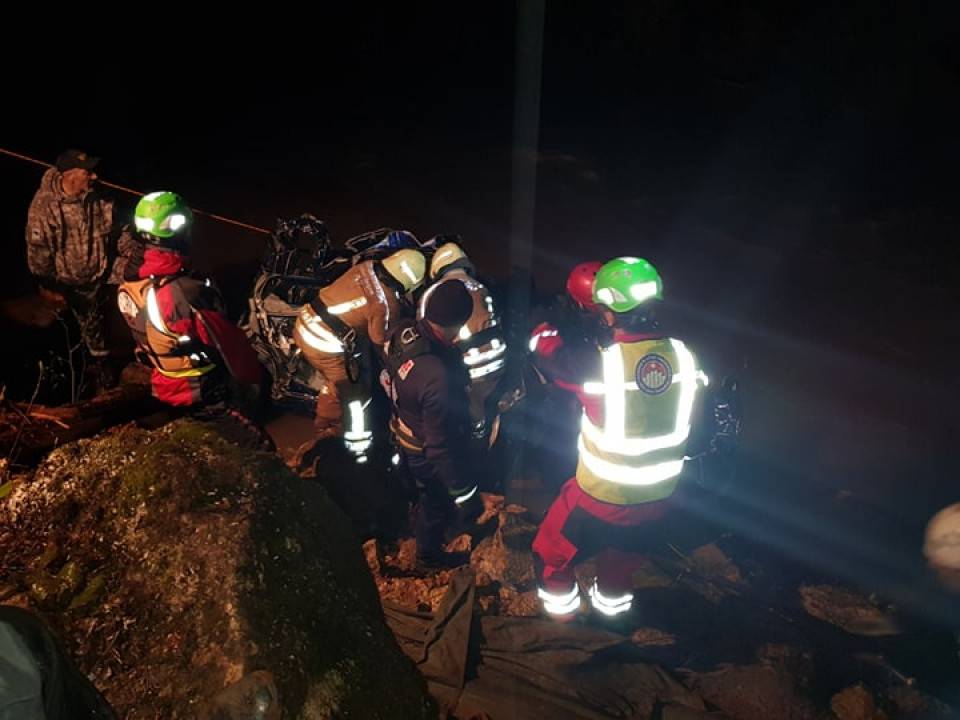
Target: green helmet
(162, 215)
(625, 283)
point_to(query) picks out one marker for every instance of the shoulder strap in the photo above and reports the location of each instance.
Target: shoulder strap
(406, 343)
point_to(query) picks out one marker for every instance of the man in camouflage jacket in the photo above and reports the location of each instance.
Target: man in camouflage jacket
(74, 247)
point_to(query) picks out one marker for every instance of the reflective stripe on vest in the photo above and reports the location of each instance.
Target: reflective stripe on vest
(422, 307)
(344, 307)
(155, 317)
(154, 314)
(484, 362)
(484, 370)
(612, 437)
(187, 373)
(629, 474)
(619, 468)
(479, 362)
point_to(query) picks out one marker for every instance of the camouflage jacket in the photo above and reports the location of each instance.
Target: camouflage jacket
(72, 241)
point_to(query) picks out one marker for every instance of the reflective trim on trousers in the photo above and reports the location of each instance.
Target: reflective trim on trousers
(610, 606)
(560, 603)
(461, 499)
(358, 439)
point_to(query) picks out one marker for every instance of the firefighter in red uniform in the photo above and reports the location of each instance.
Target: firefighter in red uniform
(178, 320)
(638, 389)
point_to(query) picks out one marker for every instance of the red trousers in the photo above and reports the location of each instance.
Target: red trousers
(579, 527)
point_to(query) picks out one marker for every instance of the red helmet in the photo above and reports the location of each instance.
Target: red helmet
(580, 284)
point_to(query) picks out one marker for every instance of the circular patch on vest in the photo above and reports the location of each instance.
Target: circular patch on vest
(654, 374)
(127, 307)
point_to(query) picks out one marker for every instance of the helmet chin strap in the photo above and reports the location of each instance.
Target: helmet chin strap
(640, 319)
(178, 243)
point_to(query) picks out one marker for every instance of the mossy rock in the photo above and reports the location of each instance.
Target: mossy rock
(192, 562)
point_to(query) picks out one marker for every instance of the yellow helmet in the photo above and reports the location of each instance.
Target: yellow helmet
(407, 267)
(446, 255)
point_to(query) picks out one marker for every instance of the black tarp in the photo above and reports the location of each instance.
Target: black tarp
(503, 668)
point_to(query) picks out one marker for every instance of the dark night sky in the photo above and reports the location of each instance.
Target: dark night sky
(651, 84)
(740, 115)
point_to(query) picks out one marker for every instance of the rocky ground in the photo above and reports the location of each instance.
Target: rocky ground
(190, 576)
(708, 615)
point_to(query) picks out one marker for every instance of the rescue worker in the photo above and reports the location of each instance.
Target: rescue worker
(480, 339)
(575, 320)
(426, 381)
(574, 315)
(638, 392)
(74, 248)
(582, 323)
(178, 320)
(580, 286)
(361, 305)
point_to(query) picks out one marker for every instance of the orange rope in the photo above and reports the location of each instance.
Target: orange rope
(131, 191)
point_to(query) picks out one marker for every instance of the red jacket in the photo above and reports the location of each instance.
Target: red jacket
(570, 362)
(193, 348)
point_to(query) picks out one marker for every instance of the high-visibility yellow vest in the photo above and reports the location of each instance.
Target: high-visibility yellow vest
(636, 453)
